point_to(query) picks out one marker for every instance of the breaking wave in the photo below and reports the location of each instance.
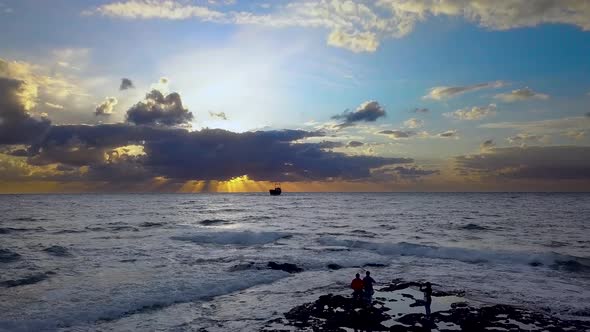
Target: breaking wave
(238, 238)
(552, 260)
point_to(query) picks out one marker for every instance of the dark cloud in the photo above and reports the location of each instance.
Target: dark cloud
(420, 110)
(209, 154)
(150, 145)
(220, 115)
(532, 163)
(16, 124)
(354, 144)
(411, 173)
(158, 109)
(587, 114)
(106, 107)
(126, 84)
(398, 133)
(369, 111)
(329, 145)
(487, 144)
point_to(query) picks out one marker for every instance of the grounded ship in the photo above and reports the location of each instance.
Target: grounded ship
(276, 191)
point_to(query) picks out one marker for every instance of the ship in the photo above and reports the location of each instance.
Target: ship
(276, 191)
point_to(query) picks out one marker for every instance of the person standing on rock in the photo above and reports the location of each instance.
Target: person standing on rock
(357, 287)
(427, 297)
(368, 285)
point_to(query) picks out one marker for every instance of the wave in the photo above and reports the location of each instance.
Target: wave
(8, 230)
(8, 256)
(214, 222)
(238, 238)
(553, 260)
(84, 317)
(474, 227)
(58, 251)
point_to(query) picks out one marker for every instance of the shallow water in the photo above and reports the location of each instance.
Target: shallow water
(112, 262)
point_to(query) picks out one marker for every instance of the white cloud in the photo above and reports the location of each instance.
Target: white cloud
(520, 94)
(552, 126)
(474, 113)
(106, 107)
(524, 139)
(413, 123)
(356, 42)
(360, 26)
(445, 92)
(493, 14)
(55, 106)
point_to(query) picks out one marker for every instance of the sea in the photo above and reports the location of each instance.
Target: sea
(190, 262)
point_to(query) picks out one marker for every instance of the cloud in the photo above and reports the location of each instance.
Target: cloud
(448, 134)
(148, 9)
(420, 110)
(533, 163)
(126, 84)
(106, 107)
(544, 127)
(495, 15)
(520, 94)
(413, 123)
(361, 26)
(220, 115)
(354, 144)
(576, 134)
(446, 92)
(158, 109)
(17, 126)
(396, 134)
(328, 145)
(150, 145)
(368, 111)
(54, 106)
(356, 42)
(403, 173)
(487, 144)
(587, 114)
(524, 139)
(208, 154)
(475, 113)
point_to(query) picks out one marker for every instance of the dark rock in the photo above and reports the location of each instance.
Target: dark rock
(287, 267)
(335, 312)
(334, 266)
(8, 256)
(374, 265)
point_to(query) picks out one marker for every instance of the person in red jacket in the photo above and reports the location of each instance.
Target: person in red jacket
(357, 286)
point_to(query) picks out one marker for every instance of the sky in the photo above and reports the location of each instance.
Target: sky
(325, 95)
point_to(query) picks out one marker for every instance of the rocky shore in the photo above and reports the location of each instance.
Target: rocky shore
(398, 307)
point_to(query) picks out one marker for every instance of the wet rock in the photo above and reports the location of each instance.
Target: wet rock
(336, 312)
(8, 256)
(287, 267)
(334, 266)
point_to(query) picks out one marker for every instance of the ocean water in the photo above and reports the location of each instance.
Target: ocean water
(182, 262)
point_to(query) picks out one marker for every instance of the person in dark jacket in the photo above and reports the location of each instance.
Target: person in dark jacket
(368, 286)
(427, 297)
